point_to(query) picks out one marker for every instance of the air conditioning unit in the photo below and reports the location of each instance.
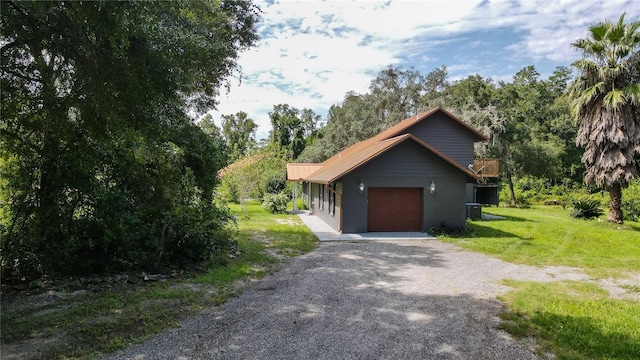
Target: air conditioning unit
(474, 211)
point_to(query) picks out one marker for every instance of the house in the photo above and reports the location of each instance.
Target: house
(410, 177)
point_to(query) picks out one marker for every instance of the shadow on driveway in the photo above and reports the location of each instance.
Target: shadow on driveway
(365, 300)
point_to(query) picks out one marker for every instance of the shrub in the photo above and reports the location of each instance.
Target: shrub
(631, 202)
(274, 182)
(586, 208)
(228, 190)
(275, 203)
(301, 204)
(445, 229)
(631, 209)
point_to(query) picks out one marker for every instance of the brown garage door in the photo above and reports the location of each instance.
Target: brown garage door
(394, 209)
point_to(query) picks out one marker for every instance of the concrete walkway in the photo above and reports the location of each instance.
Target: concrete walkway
(325, 233)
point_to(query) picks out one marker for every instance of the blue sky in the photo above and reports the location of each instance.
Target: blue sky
(311, 53)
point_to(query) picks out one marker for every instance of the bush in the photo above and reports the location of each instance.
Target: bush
(531, 190)
(228, 190)
(631, 202)
(301, 204)
(118, 231)
(274, 182)
(586, 208)
(444, 229)
(275, 203)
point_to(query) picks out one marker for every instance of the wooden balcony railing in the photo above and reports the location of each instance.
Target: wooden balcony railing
(486, 167)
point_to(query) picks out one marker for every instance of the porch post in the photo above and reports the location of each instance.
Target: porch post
(295, 196)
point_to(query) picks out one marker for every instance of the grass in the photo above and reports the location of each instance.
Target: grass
(574, 320)
(571, 320)
(58, 323)
(549, 236)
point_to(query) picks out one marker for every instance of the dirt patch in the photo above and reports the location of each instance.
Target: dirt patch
(31, 348)
(625, 289)
(286, 222)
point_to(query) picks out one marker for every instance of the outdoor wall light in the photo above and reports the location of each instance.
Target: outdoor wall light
(361, 187)
(432, 187)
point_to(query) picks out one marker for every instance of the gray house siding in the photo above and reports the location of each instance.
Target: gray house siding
(326, 204)
(407, 165)
(447, 136)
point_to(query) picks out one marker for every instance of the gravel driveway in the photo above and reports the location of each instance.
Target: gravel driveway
(361, 300)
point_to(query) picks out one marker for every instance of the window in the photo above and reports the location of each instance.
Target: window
(332, 197)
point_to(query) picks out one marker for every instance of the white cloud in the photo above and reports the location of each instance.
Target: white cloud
(313, 52)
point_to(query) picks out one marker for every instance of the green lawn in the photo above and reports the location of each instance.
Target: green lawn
(549, 236)
(572, 320)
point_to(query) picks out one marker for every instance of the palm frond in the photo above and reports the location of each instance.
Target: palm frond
(632, 94)
(593, 91)
(599, 31)
(631, 33)
(616, 33)
(585, 100)
(610, 73)
(585, 65)
(614, 99)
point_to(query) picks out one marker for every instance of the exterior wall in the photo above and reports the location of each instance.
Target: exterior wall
(447, 136)
(313, 197)
(305, 194)
(326, 204)
(407, 165)
(471, 193)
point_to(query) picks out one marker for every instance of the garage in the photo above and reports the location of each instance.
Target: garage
(394, 209)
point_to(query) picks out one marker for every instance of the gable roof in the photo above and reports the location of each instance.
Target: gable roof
(299, 171)
(407, 123)
(364, 151)
(354, 159)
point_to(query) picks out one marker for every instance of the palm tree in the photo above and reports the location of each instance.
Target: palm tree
(606, 104)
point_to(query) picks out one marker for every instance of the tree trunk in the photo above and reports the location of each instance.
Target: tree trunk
(511, 191)
(615, 202)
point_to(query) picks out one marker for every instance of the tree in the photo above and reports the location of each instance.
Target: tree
(606, 105)
(215, 134)
(292, 129)
(239, 132)
(396, 94)
(103, 165)
(480, 89)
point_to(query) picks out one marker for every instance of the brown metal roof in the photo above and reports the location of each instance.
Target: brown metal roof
(299, 171)
(349, 160)
(366, 150)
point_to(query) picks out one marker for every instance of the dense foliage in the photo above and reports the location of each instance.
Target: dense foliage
(631, 201)
(260, 173)
(102, 168)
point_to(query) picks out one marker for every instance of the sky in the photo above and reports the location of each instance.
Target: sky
(311, 53)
